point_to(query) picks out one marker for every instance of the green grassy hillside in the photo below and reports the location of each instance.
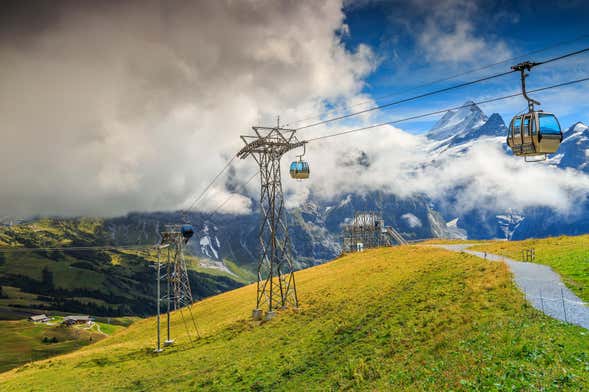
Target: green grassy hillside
(109, 283)
(23, 341)
(405, 318)
(569, 256)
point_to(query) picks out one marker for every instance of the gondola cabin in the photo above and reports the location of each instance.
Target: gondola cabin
(187, 232)
(534, 133)
(299, 170)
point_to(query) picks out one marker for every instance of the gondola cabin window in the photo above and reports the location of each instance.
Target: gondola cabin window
(527, 126)
(517, 122)
(549, 124)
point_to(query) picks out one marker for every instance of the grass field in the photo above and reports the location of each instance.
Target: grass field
(23, 341)
(405, 318)
(569, 256)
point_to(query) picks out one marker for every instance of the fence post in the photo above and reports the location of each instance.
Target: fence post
(564, 310)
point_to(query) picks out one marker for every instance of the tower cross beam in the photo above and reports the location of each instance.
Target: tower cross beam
(274, 141)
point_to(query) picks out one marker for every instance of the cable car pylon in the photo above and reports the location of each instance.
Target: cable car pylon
(178, 294)
(276, 287)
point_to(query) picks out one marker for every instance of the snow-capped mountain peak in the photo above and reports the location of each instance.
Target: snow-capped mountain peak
(458, 129)
(577, 130)
(458, 122)
(495, 126)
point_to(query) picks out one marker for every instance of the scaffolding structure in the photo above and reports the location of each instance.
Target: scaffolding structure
(367, 230)
(276, 287)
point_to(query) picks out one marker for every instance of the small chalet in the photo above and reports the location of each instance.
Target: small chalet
(71, 320)
(39, 318)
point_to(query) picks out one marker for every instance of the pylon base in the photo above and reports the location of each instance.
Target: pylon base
(257, 314)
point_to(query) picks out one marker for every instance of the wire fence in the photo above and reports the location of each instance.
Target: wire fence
(559, 304)
(555, 304)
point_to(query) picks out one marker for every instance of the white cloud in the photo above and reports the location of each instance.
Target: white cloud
(481, 177)
(459, 44)
(136, 106)
(491, 179)
(449, 34)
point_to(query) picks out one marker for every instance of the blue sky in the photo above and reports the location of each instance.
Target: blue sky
(420, 41)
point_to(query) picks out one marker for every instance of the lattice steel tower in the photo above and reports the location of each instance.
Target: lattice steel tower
(276, 281)
(178, 294)
(178, 275)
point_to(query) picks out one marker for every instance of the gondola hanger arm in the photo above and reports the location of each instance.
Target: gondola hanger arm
(522, 68)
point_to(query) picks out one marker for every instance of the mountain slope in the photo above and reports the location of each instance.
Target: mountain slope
(101, 283)
(404, 318)
(223, 253)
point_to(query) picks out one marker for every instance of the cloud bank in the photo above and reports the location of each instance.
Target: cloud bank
(136, 105)
(475, 176)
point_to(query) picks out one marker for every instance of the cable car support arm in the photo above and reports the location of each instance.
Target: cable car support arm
(522, 68)
(276, 141)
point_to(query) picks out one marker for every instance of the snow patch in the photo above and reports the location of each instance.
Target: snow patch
(346, 201)
(217, 265)
(453, 223)
(206, 247)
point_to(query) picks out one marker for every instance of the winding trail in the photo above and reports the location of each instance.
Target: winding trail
(542, 286)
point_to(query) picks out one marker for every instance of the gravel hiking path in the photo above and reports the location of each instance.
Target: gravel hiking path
(542, 286)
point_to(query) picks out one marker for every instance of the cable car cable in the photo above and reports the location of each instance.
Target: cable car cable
(216, 210)
(378, 107)
(386, 105)
(203, 219)
(408, 119)
(445, 110)
(208, 187)
(427, 84)
(210, 184)
(563, 56)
